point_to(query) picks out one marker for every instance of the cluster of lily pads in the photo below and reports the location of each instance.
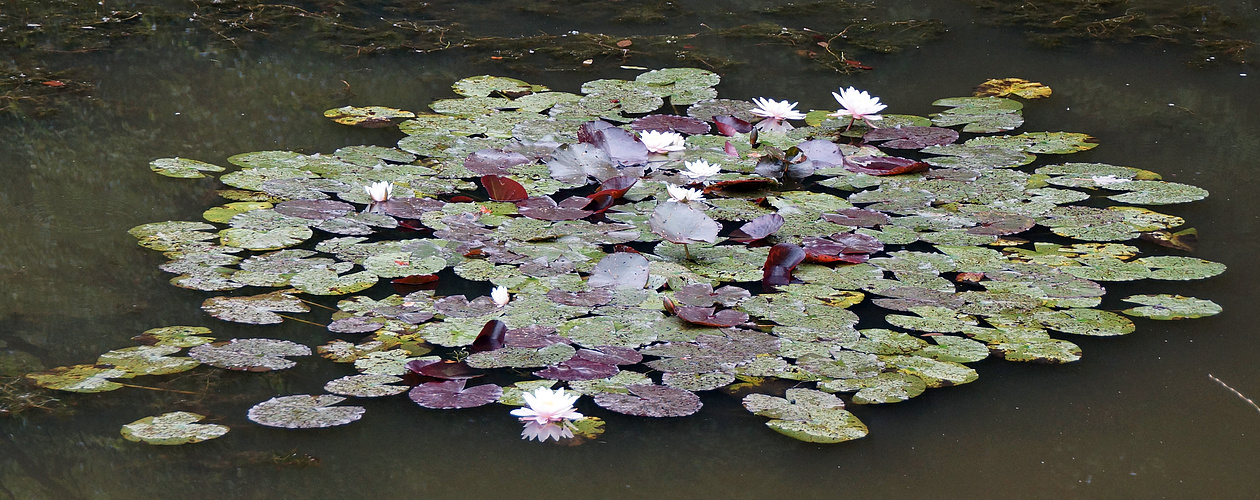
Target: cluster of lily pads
(640, 274)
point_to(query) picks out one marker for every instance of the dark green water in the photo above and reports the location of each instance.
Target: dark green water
(1137, 417)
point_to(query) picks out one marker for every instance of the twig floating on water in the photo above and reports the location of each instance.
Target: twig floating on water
(1235, 391)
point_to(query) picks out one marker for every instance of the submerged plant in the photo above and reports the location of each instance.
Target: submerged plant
(889, 256)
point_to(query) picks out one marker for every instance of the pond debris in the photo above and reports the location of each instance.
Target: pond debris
(1235, 391)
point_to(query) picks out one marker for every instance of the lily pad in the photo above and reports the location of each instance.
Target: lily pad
(80, 378)
(148, 360)
(366, 386)
(304, 411)
(1165, 307)
(182, 168)
(255, 355)
(807, 415)
(452, 394)
(256, 309)
(368, 117)
(651, 401)
(172, 428)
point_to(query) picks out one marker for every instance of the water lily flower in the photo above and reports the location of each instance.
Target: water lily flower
(1107, 180)
(662, 142)
(701, 168)
(682, 194)
(500, 296)
(546, 414)
(775, 114)
(858, 105)
(379, 191)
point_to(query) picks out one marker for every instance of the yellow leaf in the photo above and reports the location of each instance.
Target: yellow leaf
(1013, 86)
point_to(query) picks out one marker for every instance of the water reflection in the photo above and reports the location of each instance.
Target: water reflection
(1137, 417)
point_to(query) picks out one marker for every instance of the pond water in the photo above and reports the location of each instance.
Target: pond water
(1137, 417)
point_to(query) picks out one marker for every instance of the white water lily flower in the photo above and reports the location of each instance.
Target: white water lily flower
(379, 191)
(701, 168)
(661, 142)
(858, 105)
(500, 296)
(682, 194)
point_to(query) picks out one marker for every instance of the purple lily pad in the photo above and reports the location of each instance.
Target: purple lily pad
(452, 394)
(708, 317)
(610, 354)
(458, 306)
(578, 369)
(494, 161)
(758, 228)
(533, 337)
(545, 208)
(912, 137)
(450, 370)
(679, 223)
(621, 269)
(780, 262)
(409, 208)
(651, 401)
(992, 222)
(883, 165)
(491, 336)
(703, 295)
(858, 217)
(671, 123)
(314, 209)
(355, 324)
(589, 298)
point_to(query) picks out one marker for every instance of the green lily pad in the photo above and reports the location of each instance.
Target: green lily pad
(1167, 307)
(485, 85)
(182, 168)
(1046, 351)
(171, 235)
(172, 428)
(178, 336)
(148, 360)
(366, 386)
(255, 355)
(888, 387)
(256, 309)
(368, 116)
(935, 373)
(521, 357)
(328, 282)
(1158, 193)
(304, 411)
(80, 378)
(1090, 322)
(1178, 268)
(807, 415)
(1039, 142)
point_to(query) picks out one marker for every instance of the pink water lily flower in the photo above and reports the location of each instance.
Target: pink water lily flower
(544, 405)
(858, 105)
(775, 114)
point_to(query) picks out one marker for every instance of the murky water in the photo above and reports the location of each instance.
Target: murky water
(1138, 417)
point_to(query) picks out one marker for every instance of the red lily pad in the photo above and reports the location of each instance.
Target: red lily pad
(616, 187)
(651, 401)
(783, 258)
(452, 394)
(494, 161)
(883, 165)
(491, 336)
(758, 228)
(501, 188)
(729, 125)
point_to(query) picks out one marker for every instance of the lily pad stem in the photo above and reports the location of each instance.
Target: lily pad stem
(299, 320)
(155, 388)
(316, 304)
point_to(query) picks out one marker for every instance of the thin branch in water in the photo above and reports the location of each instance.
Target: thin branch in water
(300, 320)
(154, 388)
(316, 304)
(1235, 391)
